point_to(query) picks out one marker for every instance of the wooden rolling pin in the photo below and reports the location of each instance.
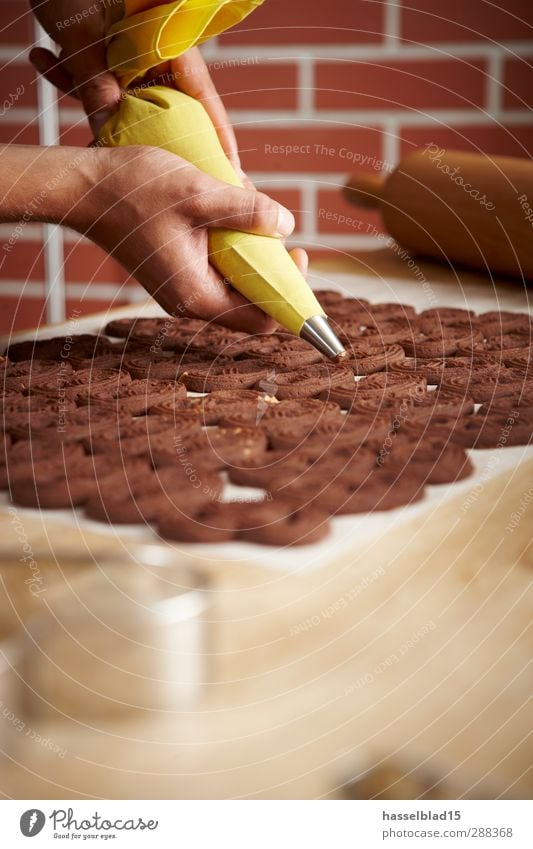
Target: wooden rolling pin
(460, 208)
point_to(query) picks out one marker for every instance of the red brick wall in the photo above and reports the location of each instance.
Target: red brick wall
(315, 90)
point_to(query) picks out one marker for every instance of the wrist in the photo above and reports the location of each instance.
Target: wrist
(73, 183)
(45, 184)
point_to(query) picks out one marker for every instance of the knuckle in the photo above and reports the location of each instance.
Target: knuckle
(196, 200)
(92, 93)
(262, 212)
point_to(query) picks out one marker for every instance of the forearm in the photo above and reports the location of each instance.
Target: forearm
(44, 184)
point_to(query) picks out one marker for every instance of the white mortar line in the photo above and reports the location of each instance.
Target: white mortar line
(89, 291)
(306, 85)
(210, 49)
(346, 242)
(20, 115)
(374, 117)
(396, 50)
(391, 144)
(33, 232)
(19, 53)
(35, 289)
(494, 83)
(52, 235)
(309, 210)
(298, 179)
(93, 291)
(392, 24)
(70, 116)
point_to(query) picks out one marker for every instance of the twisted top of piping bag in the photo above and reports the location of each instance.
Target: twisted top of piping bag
(143, 33)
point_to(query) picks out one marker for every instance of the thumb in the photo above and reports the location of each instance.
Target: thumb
(220, 205)
(47, 63)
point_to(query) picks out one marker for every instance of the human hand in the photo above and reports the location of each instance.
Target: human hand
(151, 211)
(81, 68)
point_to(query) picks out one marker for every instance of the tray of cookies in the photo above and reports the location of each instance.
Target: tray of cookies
(217, 441)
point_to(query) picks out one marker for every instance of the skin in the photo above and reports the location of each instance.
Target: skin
(81, 69)
(146, 207)
(150, 210)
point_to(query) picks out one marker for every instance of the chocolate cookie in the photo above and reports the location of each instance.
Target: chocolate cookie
(493, 430)
(113, 361)
(280, 523)
(325, 297)
(503, 381)
(445, 344)
(21, 460)
(379, 385)
(24, 425)
(68, 426)
(120, 327)
(146, 499)
(496, 344)
(379, 490)
(448, 315)
(214, 407)
(60, 348)
(368, 359)
(433, 459)
(220, 343)
(519, 359)
(435, 403)
(395, 330)
(437, 371)
(79, 384)
(239, 375)
(282, 351)
(19, 375)
(496, 323)
(65, 481)
(212, 522)
(310, 381)
(279, 467)
(310, 410)
(160, 367)
(137, 397)
(122, 430)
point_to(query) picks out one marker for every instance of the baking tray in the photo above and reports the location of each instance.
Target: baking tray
(348, 532)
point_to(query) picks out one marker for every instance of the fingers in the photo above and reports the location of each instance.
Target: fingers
(216, 301)
(51, 68)
(301, 259)
(99, 91)
(203, 294)
(238, 209)
(87, 78)
(211, 299)
(97, 88)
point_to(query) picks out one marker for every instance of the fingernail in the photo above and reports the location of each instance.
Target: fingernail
(98, 119)
(286, 222)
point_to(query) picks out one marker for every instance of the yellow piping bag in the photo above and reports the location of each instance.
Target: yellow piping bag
(257, 266)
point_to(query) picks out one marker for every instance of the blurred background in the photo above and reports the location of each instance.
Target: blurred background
(316, 91)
